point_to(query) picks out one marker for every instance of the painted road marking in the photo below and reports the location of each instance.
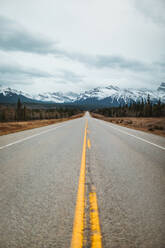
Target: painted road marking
(94, 221)
(89, 144)
(85, 223)
(78, 226)
(29, 137)
(132, 135)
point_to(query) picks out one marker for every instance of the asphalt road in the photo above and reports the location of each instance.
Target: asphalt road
(39, 178)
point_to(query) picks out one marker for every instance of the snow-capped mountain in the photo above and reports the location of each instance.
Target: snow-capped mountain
(9, 92)
(57, 97)
(8, 95)
(100, 96)
(161, 88)
(114, 96)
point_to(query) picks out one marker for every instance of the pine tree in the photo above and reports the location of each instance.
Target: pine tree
(159, 110)
(19, 106)
(24, 113)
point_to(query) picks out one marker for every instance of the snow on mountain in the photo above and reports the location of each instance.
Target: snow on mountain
(8, 92)
(106, 96)
(161, 88)
(8, 95)
(117, 96)
(57, 97)
(99, 93)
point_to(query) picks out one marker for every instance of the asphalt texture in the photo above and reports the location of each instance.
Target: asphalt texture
(39, 175)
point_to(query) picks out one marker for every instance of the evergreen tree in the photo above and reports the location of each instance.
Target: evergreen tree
(19, 106)
(24, 113)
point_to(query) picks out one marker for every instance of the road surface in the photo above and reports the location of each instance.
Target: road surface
(110, 177)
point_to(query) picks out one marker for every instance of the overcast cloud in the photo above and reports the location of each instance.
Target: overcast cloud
(76, 45)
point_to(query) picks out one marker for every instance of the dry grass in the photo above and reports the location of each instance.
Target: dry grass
(12, 127)
(151, 125)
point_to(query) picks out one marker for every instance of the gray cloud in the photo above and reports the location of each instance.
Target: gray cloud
(9, 82)
(13, 37)
(154, 10)
(15, 70)
(106, 61)
(70, 76)
(18, 75)
(109, 61)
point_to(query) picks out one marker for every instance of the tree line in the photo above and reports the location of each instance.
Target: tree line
(143, 108)
(21, 112)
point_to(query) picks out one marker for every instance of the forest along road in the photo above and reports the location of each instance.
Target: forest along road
(82, 183)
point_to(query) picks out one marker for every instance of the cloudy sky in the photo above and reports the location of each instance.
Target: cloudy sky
(74, 45)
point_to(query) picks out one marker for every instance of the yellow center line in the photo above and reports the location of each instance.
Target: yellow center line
(78, 226)
(89, 144)
(94, 220)
(85, 223)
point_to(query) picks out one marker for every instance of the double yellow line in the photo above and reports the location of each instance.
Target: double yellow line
(79, 219)
(94, 220)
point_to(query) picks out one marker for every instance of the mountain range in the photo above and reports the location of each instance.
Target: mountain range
(100, 96)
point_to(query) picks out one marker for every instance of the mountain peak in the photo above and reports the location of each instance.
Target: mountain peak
(112, 87)
(162, 87)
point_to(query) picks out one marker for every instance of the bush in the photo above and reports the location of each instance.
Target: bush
(150, 129)
(128, 122)
(158, 127)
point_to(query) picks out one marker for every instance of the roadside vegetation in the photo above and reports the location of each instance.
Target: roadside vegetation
(135, 109)
(26, 112)
(143, 115)
(19, 117)
(16, 126)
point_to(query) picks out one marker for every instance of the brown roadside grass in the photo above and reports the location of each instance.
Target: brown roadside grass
(154, 125)
(12, 127)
